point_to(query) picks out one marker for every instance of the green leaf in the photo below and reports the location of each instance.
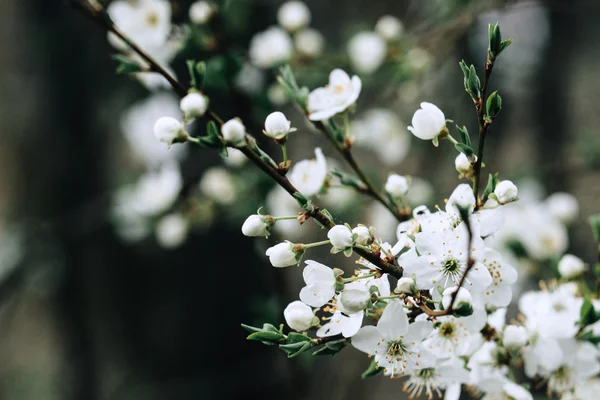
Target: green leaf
(371, 371)
(490, 187)
(464, 135)
(200, 69)
(463, 148)
(294, 337)
(331, 348)
(251, 329)
(190, 66)
(270, 328)
(495, 41)
(295, 349)
(493, 106)
(266, 337)
(587, 314)
(594, 221)
(504, 45)
(126, 65)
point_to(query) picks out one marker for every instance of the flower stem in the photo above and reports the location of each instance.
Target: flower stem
(356, 278)
(388, 297)
(346, 117)
(360, 246)
(284, 151)
(284, 218)
(316, 244)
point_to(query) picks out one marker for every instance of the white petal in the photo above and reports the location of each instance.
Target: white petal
(367, 339)
(393, 323)
(315, 272)
(417, 331)
(316, 295)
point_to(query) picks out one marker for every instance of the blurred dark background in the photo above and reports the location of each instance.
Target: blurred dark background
(86, 317)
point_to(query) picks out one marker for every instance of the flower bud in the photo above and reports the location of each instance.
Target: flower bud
(397, 185)
(406, 285)
(570, 266)
(293, 15)
(193, 105)
(298, 316)
(428, 122)
(234, 131)
(367, 51)
(277, 126)
(463, 166)
(505, 192)
(169, 130)
(340, 236)
(171, 231)
(256, 225)
(389, 27)
(282, 255)
(363, 235)
(463, 304)
(514, 337)
(356, 299)
(309, 42)
(201, 12)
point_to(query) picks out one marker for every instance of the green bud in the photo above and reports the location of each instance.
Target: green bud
(471, 80)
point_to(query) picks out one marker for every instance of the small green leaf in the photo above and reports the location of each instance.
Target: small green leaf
(295, 349)
(495, 41)
(200, 69)
(126, 65)
(266, 337)
(372, 370)
(463, 148)
(464, 135)
(490, 187)
(294, 337)
(594, 221)
(251, 329)
(190, 65)
(587, 314)
(493, 106)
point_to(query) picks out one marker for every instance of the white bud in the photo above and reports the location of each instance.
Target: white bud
(234, 131)
(256, 225)
(514, 337)
(277, 126)
(406, 285)
(171, 231)
(563, 206)
(169, 130)
(505, 192)
(298, 316)
(277, 95)
(309, 42)
(193, 105)
(340, 236)
(463, 304)
(570, 266)
(397, 185)
(389, 27)
(282, 255)
(462, 164)
(490, 203)
(428, 122)
(363, 235)
(293, 15)
(201, 12)
(367, 51)
(356, 299)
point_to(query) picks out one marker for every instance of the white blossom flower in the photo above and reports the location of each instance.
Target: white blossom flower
(250, 79)
(309, 42)
(340, 237)
(169, 130)
(381, 131)
(454, 336)
(298, 316)
(367, 51)
(397, 185)
(463, 165)
(580, 362)
(320, 284)
(256, 225)
(277, 126)
(389, 27)
(514, 337)
(235, 158)
(395, 344)
(193, 105)
(363, 235)
(418, 59)
(234, 131)
(277, 95)
(583, 391)
(218, 184)
(505, 192)
(428, 122)
(406, 285)
(171, 230)
(146, 22)
(570, 266)
(271, 48)
(563, 206)
(282, 255)
(293, 15)
(336, 97)
(447, 375)
(137, 126)
(308, 176)
(201, 12)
